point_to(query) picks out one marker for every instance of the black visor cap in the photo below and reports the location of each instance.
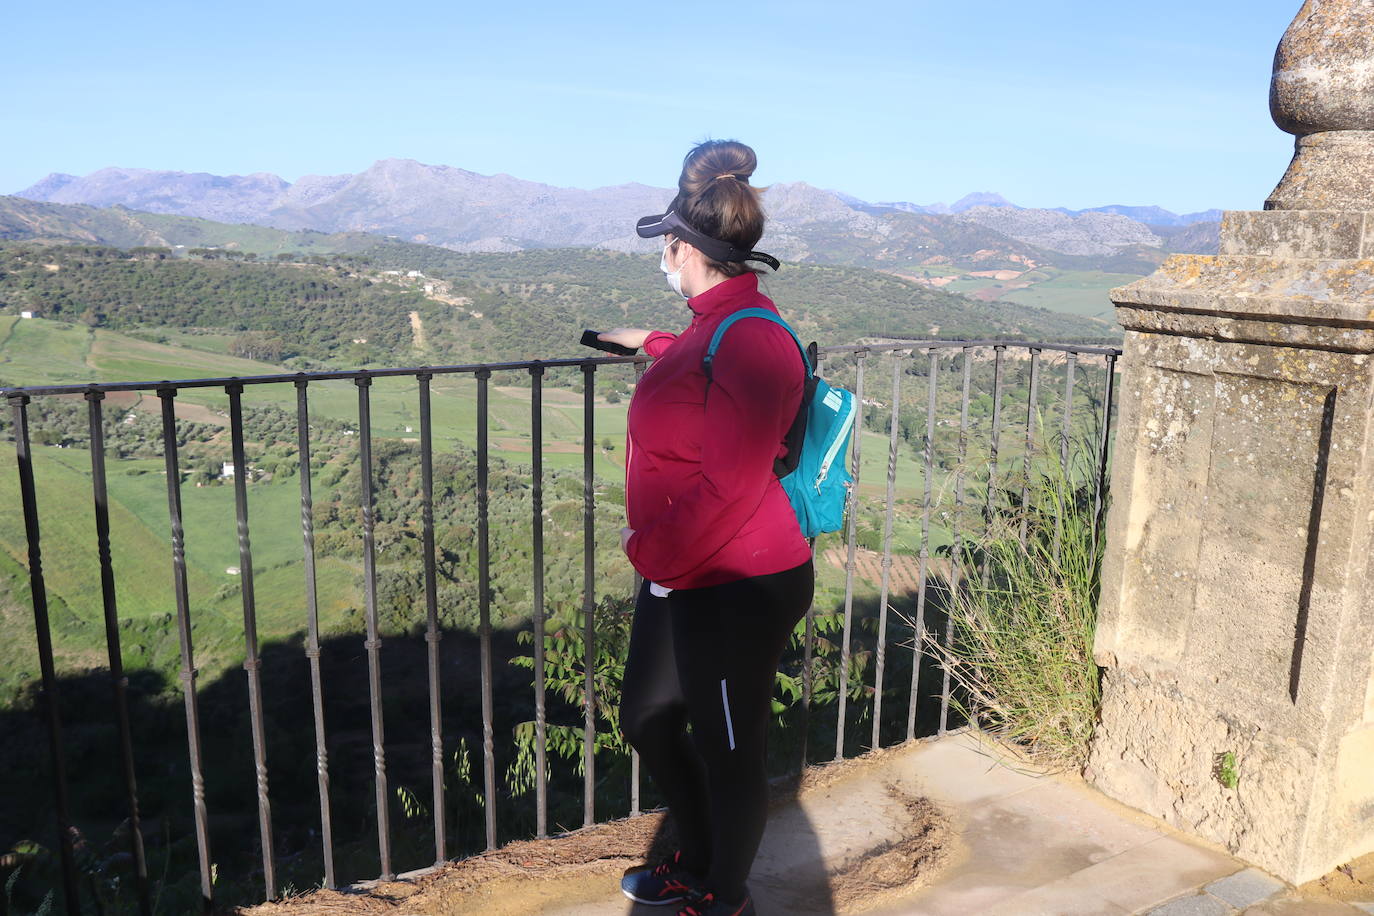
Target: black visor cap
(671, 224)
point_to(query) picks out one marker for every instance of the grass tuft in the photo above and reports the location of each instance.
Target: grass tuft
(1024, 616)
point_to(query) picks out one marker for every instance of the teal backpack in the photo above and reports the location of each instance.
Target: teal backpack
(814, 473)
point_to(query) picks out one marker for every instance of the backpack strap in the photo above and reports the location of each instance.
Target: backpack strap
(730, 319)
(796, 433)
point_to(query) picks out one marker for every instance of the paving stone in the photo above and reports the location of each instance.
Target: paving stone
(1158, 871)
(1245, 888)
(1367, 907)
(1056, 899)
(960, 894)
(961, 770)
(1080, 811)
(1132, 882)
(1294, 904)
(1201, 905)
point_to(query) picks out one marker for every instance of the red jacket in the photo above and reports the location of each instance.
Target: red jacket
(699, 485)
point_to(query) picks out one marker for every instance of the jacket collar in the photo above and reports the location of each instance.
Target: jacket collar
(727, 296)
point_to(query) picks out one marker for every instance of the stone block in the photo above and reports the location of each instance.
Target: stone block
(1200, 905)
(1245, 888)
(1309, 234)
(1295, 904)
(1139, 878)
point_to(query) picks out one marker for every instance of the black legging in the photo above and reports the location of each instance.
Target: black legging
(707, 656)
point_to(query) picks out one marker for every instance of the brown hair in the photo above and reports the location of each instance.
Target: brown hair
(715, 198)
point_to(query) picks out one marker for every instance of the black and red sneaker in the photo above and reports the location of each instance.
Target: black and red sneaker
(661, 884)
(704, 903)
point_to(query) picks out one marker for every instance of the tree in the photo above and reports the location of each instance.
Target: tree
(258, 345)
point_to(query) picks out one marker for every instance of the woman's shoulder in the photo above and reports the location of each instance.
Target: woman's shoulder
(759, 341)
(763, 329)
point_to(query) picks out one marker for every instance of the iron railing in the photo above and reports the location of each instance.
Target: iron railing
(904, 355)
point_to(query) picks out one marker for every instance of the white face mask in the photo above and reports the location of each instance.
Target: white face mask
(674, 277)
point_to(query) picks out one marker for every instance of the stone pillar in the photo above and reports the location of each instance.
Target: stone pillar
(1237, 614)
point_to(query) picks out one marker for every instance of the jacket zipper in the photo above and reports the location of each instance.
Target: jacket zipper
(835, 446)
(629, 471)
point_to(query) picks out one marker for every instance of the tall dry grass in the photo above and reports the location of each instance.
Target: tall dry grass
(1024, 614)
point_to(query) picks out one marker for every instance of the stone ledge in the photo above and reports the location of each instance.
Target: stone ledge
(1248, 329)
(1313, 303)
(1310, 291)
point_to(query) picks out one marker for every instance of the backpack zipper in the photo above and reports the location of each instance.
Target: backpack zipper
(835, 446)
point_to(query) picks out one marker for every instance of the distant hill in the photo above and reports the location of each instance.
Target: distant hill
(1155, 216)
(1192, 238)
(235, 198)
(419, 202)
(1149, 215)
(811, 226)
(967, 202)
(1090, 233)
(465, 211)
(466, 307)
(27, 220)
(807, 224)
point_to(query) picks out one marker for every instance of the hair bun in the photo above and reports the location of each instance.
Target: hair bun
(727, 210)
(716, 159)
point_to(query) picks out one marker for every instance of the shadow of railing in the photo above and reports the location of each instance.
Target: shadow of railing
(367, 745)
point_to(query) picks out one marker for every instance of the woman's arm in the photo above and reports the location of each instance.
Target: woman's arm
(626, 337)
(653, 342)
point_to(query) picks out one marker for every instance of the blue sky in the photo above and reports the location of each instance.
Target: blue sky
(1063, 103)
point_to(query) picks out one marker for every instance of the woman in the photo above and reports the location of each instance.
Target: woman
(727, 571)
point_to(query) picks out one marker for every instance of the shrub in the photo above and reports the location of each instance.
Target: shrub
(565, 677)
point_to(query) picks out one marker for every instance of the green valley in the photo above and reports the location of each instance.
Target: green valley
(149, 313)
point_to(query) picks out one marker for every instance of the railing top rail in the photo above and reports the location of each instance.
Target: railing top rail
(465, 368)
(921, 343)
(345, 375)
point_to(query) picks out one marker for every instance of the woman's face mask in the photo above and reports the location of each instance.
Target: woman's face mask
(674, 277)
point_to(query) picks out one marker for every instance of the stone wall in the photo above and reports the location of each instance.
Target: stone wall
(1237, 618)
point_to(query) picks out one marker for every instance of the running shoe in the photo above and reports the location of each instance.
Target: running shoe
(704, 903)
(665, 883)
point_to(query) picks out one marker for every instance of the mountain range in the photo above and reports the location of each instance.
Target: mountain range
(464, 211)
(1151, 216)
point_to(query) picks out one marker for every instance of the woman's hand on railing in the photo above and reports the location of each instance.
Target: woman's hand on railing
(626, 337)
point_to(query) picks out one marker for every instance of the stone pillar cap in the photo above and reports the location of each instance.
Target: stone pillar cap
(1324, 69)
(1323, 92)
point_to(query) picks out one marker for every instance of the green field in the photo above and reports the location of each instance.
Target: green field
(40, 352)
(193, 232)
(1071, 292)
(1076, 292)
(37, 352)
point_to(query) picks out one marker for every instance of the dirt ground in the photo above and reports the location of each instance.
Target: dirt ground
(1351, 883)
(530, 876)
(517, 879)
